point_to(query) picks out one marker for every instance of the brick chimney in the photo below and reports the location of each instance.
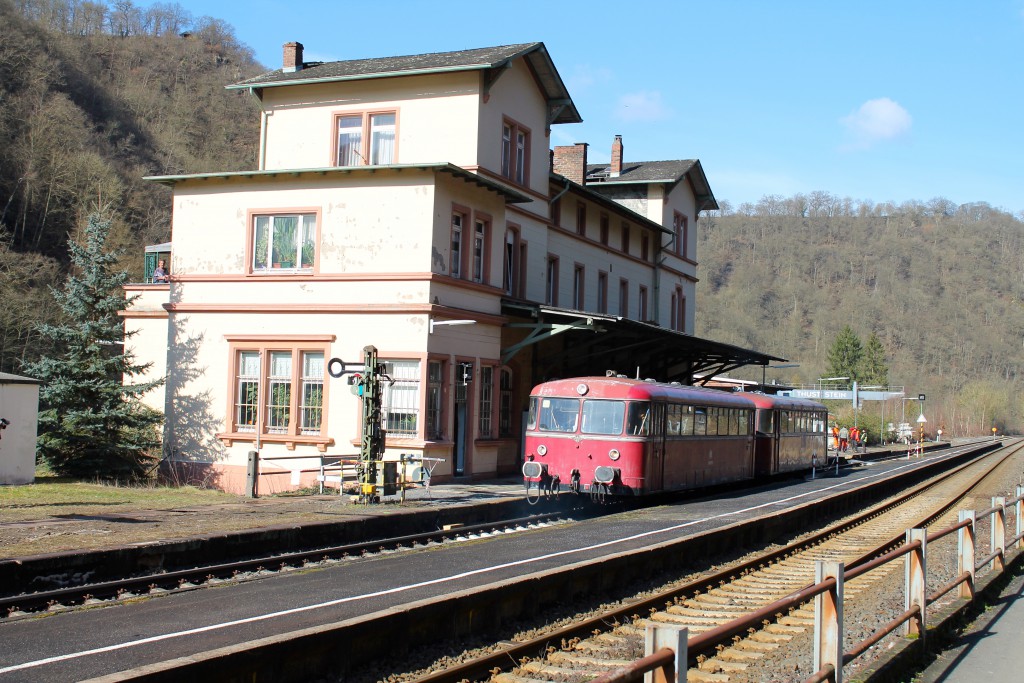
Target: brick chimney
(616, 168)
(571, 162)
(292, 57)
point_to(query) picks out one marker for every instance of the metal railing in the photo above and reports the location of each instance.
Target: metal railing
(667, 647)
(331, 468)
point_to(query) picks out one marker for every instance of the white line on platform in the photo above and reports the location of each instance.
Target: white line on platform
(422, 584)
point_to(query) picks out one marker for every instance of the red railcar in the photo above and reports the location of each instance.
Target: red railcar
(618, 436)
(790, 434)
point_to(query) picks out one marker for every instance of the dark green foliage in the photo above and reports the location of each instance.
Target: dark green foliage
(93, 97)
(938, 285)
(846, 355)
(91, 424)
(873, 368)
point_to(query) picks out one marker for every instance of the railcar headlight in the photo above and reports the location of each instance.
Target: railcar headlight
(542, 450)
(614, 454)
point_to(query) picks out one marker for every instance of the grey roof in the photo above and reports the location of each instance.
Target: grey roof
(510, 195)
(647, 172)
(489, 59)
(8, 378)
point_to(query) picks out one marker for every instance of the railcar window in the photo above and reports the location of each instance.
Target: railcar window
(531, 421)
(700, 421)
(675, 414)
(603, 417)
(639, 421)
(765, 421)
(559, 414)
(686, 421)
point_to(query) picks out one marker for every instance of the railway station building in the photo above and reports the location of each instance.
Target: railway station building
(414, 204)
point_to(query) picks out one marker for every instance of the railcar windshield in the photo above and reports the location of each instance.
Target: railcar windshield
(639, 421)
(603, 417)
(557, 414)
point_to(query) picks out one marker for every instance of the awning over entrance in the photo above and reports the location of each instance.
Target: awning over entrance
(569, 343)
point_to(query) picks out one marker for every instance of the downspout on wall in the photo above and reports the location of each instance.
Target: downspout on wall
(261, 162)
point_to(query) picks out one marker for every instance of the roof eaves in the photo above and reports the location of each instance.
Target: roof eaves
(247, 85)
(441, 167)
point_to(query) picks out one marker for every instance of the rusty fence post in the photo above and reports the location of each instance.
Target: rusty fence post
(1020, 510)
(674, 638)
(916, 589)
(965, 548)
(828, 619)
(998, 533)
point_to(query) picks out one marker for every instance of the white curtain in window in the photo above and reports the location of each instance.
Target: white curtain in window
(350, 140)
(382, 139)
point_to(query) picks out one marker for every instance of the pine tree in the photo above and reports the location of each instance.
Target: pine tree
(874, 369)
(844, 358)
(92, 423)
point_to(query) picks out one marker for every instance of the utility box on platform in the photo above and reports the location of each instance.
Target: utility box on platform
(19, 414)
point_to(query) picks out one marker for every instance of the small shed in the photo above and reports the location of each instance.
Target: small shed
(19, 414)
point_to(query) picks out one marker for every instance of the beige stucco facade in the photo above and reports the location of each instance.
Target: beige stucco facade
(450, 230)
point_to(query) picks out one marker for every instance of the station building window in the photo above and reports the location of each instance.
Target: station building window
(366, 138)
(283, 242)
(278, 391)
(401, 399)
(515, 152)
(551, 283)
(435, 400)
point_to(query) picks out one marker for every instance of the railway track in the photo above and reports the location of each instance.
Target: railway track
(196, 577)
(709, 606)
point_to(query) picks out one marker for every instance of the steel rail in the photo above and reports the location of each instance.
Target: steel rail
(696, 646)
(75, 595)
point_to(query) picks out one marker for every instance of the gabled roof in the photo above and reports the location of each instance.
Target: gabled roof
(488, 59)
(652, 172)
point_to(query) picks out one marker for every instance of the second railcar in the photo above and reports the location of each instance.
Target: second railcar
(790, 434)
(630, 437)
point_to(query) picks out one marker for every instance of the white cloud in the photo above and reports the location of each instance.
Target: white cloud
(876, 121)
(641, 106)
(584, 77)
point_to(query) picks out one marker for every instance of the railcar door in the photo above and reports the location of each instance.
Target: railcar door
(655, 461)
(766, 441)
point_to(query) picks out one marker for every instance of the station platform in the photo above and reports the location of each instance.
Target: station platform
(988, 649)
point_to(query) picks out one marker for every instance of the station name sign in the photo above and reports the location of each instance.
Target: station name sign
(841, 394)
(822, 394)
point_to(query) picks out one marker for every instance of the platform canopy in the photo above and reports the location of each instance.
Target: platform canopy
(570, 343)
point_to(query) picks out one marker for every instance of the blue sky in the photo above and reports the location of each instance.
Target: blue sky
(880, 101)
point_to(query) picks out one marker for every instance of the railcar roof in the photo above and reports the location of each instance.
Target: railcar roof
(634, 389)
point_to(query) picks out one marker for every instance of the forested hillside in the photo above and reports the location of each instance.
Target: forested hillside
(93, 97)
(941, 285)
(96, 95)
